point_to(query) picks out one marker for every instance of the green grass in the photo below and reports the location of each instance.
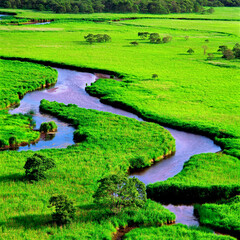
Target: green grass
(16, 79)
(16, 126)
(192, 93)
(111, 143)
(223, 216)
(204, 178)
(178, 231)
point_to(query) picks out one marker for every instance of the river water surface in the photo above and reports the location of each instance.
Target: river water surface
(70, 88)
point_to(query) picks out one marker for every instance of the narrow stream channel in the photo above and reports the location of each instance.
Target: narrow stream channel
(70, 88)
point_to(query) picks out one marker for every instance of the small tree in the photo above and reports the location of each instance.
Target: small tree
(154, 76)
(222, 48)
(36, 166)
(143, 35)
(205, 49)
(64, 209)
(167, 39)
(134, 43)
(236, 50)
(228, 54)
(211, 10)
(117, 192)
(186, 38)
(154, 37)
(190, 51)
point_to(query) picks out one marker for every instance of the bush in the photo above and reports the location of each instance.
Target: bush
(36, 166)
(91, 38)
(48, 127)
(64, 209)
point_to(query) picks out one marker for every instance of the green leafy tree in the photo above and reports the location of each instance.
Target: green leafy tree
(118, 192)
(204, 49)
(190, 51)
(154, 76)
(222, 48)
(236, 50)
(48, 127)
(143, 35)
(64, 209)
(134, 43)
(167, 39)
(154, 37)
(36, 166)
(228, 54)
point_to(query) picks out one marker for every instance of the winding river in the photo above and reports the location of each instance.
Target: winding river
(70, 88)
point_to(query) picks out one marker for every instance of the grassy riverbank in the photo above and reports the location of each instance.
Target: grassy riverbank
(112, 144)
(223, 216)
(204, 178)
(191, 92)
(178, 231)
(16, 79)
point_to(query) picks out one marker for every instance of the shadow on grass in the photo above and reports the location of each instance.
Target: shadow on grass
(31, 221)
(81, 43)
(93, 212)
(16, 177)
(186, 54)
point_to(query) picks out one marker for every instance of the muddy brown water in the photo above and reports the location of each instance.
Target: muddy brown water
(70, 88)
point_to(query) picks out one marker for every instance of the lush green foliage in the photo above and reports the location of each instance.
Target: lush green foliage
(97, 130)
(36, 166)
(64, 209)
(78, 168)
(205, 177)
(119, 192)
(223, 216)
(48, 127)
(178, 231)
(16, 130)
(90, 6)
(18, 78)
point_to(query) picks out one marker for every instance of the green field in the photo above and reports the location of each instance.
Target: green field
(25, 214)
(190, 93)
(223, 216)
(179, 231)
(204, 178)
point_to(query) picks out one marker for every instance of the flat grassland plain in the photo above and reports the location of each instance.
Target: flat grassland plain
(191, 93)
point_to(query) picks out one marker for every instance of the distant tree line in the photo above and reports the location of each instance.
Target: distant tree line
(123, 6)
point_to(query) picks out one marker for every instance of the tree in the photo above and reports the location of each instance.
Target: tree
(190, 51)
(205, 49)
(143, 35)
(64, 209)
(36, 166)
(154, 38)
(236, 50)
(119, 191)
(134, 43)
(222, 48)
(228, 54)
(154, 76)
(167, 39)
(186, 38)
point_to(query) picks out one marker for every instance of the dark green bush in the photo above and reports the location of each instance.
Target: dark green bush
(48, 127)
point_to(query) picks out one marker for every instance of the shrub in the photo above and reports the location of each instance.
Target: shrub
(48, 127)
(64, 209)
(167, 39)
(13, 141)
(190, 51)
(134, 43)
(36, 166)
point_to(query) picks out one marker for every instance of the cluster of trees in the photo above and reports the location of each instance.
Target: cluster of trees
(154, 37)
(228, 53)
(91, 38)
(114, 192)
(91, 6)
